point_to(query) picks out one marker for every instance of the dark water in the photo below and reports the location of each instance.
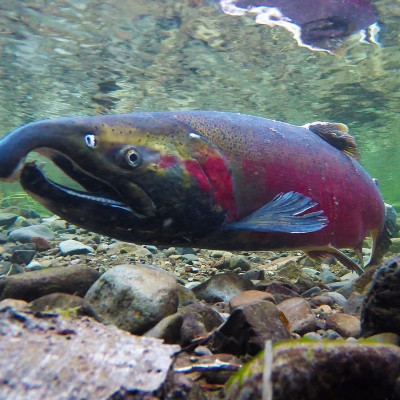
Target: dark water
(81, 57)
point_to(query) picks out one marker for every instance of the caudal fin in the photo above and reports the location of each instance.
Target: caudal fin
(380, 245)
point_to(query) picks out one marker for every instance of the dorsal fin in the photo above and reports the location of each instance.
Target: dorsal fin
(337, 135)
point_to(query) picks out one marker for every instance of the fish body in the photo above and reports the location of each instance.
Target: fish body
(315, 22)
(204, 179)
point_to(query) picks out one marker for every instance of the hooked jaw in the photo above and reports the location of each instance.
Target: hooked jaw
(55, 139)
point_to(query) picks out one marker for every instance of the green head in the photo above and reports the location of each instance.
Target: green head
(144, 175)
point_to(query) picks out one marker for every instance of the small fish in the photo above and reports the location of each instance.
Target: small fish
(205, 179)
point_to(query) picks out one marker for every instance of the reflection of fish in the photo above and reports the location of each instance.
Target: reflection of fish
(314, 23)
(205, 179)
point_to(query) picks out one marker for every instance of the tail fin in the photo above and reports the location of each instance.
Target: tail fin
(380, 245)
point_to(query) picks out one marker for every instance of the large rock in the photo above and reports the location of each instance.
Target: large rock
(345, 325)
(381, 308)
(222, 287)
(321, 370)
(190, 322)
(248, 328)
(56, 358)
(299, 316)
(30, 286)
(134, 297)
(26, 233)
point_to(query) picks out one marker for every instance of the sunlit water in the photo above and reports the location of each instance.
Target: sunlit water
(85, 57)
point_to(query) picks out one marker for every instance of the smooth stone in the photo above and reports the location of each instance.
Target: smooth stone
(288, 268)
(327, 276)
(254, 274)
(315, 370)
(353, 304)
(30, 286)
(338, 298)
(190, 258)
(322, 300)
(222, 287)
(239, 262)
(312, 336)
(134, 297)
(304, 284)
(185, 250)
(217, 254)
(3, 238)
(330, 334)
(7, 219)
(33, 266)
(381, 308)
(299, 316)
(22, 211)
(65, 303)
(345, 325)
(345, 288)
(152, 249)
(72, 247)
(311, 272)
(280, 291)
(23, 253)
(248, 328)
(25, 234)
(14, 304)
(189, 323)
(315, 290)
(171, 251)
(248, 297)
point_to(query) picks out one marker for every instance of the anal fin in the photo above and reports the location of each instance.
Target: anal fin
(328, 251)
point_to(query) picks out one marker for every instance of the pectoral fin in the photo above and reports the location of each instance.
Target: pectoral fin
(282, 214)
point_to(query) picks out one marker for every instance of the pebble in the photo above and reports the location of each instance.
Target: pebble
(311, 272)
(338, 298)
(326, 276)
(25, 234)
(248, 297)
(344, 324)
(7, 219)
(239, 262)
(299, 316)
(72, 247)
(311, 292)
(322, 300)
(152, 249)
(33, 266)
(222, 287)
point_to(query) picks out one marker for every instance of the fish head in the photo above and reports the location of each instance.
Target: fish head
(143, 175)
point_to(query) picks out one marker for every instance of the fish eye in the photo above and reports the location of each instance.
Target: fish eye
(91, 141)
(133, 157)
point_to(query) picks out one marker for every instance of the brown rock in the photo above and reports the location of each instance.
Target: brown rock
(187, 324)
(299, 315)
(345, 325)
(280, 291)
(248, 327)
(222, 287)
(322, 300)
(248, 297)
(32, 285)
(68, 304)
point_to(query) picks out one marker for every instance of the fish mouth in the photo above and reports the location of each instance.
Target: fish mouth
(96, 194)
